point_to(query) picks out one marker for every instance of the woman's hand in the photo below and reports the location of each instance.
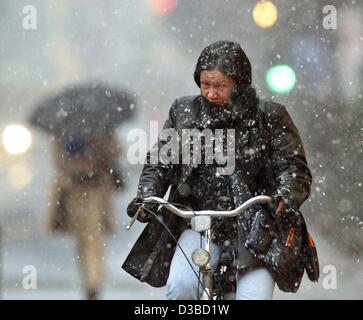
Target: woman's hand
(280, 207)
(143, 215)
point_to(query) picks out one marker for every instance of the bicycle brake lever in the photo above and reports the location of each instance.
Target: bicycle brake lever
(134, 217)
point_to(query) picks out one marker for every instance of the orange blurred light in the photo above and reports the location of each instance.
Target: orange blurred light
(163, 7)
(265, 14)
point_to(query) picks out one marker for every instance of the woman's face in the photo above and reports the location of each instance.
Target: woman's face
(216, 87)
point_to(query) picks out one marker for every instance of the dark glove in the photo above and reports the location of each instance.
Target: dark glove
(134, 206)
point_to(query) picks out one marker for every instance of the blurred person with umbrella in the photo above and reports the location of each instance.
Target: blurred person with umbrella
(81, 120)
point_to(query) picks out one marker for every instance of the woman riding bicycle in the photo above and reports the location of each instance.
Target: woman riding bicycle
(271, 244)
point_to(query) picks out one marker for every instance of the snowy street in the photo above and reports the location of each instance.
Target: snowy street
(251, 104)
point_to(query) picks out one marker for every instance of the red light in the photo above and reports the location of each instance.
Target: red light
(163, 7)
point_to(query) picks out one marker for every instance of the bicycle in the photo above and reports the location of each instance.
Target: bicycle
(201, 222)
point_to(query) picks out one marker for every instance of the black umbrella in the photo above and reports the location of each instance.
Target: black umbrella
(84, 111)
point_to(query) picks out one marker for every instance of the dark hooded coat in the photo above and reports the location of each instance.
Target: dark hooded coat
(269, 160)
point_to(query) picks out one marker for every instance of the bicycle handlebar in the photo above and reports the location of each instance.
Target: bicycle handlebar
(212, 213)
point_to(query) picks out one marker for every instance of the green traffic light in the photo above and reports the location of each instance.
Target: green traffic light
(281, 79)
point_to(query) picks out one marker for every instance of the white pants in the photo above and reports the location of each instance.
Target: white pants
(182, 284)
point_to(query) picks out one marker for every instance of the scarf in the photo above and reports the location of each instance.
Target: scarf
(242, 107)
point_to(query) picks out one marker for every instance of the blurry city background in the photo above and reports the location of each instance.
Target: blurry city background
(299, 57)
